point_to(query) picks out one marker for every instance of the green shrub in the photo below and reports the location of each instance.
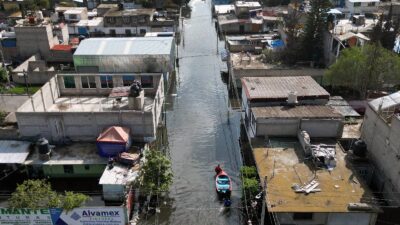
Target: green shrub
(248, 171)
(250, 186)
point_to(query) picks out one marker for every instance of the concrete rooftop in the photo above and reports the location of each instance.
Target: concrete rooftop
(93, 104)
(74, 154)
(284, 164)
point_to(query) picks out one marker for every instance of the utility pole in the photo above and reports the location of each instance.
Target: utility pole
(26, 83)
(264, 201)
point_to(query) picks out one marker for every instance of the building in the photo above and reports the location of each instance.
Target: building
(251, 65)
(68, 161)
(13, 155)
(79, 107)
(253, 43)
(357, 7)
(75, 14)
(123, 21)
(243, 8)
(346, 33)
(285, 121)
(116, 180)
(37, 71)
(299, 190)
(274, 91)
(380, 131)
(126, 55)
(35, 36)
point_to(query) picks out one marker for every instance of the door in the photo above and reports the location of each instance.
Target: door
(241, 29)
(56, 124)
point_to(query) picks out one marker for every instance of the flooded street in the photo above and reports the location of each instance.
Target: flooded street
(201, 131)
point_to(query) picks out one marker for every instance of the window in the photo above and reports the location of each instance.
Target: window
(106, 81)
(111, 20)
(302, 216)
(143, 31)
(147, 81)
(371, 3)
(69, 82)
(87, 167)
(126, 19)
(68, 169)
(357, 4)
(128, 80)
(112, 33)
(73, 17)
(88, 82)
(128, 33)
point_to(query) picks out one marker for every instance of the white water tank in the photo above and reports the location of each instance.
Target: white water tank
(292, 98)
(39, 15)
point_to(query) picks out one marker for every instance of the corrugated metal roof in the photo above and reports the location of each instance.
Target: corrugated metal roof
(385, 102)
(125, 46)
(279, 87)
(309, 111)
(118, 174)
(342, 106)
(13, 151)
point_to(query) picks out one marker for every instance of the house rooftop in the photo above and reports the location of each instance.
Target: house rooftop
(386, 102)
(285, 165)
(232, 19)
(249, 4)
(306, 111)
(115, 12)
(279, 87)
(125, 46)
(13, 151)
(90, 23)
(91, 104)
(344, 26)
(73, 154)
(119, 174)
(342, 106)
(223, 9)
(77, 10)
(251, 61)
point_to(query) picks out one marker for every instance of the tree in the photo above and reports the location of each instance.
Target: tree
(315, 27)
(385, 30)
(34, 5)
(292, 52)
(3, 75)
(363, 69)
(39, 194)
(155, 175)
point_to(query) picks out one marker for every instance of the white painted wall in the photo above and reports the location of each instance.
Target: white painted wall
(383, 143)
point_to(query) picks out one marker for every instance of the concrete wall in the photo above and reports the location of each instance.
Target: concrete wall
(56, 171)
(10, 103)
(117, 82)
(84, 126)
(316, 128)
(350, 218)
(383, 143)
(34, 39)
(234, 28)
(125, 64)
(113, 192)
(34, 119)
(33, 77)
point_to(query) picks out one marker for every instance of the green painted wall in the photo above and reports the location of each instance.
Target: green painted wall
(95, 170)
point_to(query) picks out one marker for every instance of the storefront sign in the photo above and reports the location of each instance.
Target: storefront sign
(54, 216)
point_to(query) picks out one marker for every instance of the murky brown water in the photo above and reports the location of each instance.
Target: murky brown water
(199, 133)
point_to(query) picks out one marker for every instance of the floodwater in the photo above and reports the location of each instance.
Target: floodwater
(202, 131)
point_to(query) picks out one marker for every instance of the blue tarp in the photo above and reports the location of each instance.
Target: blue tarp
(277, 43)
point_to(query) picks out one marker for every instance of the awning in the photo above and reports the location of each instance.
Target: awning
(334, 11)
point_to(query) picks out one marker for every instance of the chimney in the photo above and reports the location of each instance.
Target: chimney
(292, 98)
